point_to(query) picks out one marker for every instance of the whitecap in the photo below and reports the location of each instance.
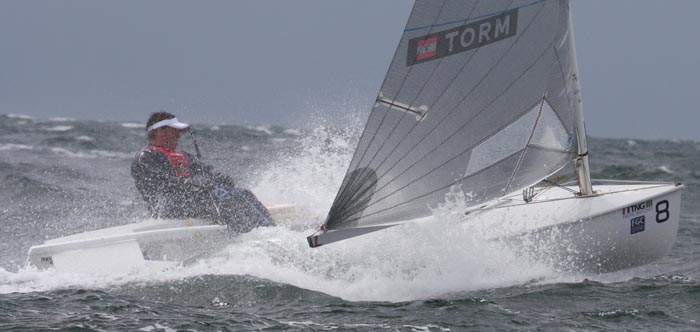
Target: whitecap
(14, 147)
(85, 138)
(111, 154)
(69, 153)
(631, 142)
(132, 125)
(59, 128)
(157, 327)
(91, 154)
(61, 119)
(665, 169)
(263, 129)
(20, 116)
(295, 132)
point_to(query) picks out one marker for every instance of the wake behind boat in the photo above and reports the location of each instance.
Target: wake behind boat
(484, 97)
(151, 245)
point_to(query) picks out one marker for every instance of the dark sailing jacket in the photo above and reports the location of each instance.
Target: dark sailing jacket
(173, 183)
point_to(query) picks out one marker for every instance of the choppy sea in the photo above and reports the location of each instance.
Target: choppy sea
(65, 176)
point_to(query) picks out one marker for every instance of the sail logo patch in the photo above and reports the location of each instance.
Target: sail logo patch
(637, 225)
(427, 48)
(463, 38)
(637, 209)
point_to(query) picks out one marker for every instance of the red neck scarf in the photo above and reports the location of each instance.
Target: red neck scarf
(178, 160)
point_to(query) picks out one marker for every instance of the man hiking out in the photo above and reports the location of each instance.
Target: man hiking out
(175, 184)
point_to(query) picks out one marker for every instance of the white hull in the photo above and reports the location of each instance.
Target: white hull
(155, 244)
(569, 232)
(621, 227)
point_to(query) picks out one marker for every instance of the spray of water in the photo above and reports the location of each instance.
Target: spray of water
(429, 259)
(309, 175)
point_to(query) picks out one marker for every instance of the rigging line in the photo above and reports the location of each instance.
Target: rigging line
(362, 157)
(460, 102)
(554, 184)
(532, 134)
(473, 18)
(425, 83)
(454, 133)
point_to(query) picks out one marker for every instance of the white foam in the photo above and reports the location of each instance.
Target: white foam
(158, 327)
(263, 129)
(15, 147)
(90, 154)
(311, 176)
(414, 261)
(133, 125)
(59, 128)
(295, 132)
(30, 279)
(665, 169)
(404, 263)
(61, 119)
(20, 116)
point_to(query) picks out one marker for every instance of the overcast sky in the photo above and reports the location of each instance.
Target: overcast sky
(287, 61)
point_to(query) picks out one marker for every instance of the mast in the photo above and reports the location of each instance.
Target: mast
(582, 168)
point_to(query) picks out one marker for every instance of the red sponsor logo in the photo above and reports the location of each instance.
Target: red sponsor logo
(427, 48)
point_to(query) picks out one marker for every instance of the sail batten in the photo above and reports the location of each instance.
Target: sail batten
(480, 95)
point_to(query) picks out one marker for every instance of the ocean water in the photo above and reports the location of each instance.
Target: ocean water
(64, 176)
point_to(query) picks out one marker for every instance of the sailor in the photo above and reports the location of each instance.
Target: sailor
(175, 184)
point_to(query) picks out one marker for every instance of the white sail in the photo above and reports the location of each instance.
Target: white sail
(483, 95)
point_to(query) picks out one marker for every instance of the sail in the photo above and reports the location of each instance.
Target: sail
(482, 95)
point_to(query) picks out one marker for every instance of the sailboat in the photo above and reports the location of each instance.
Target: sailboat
(484, 97)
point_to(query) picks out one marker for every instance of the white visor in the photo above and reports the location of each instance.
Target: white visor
(173, 123)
